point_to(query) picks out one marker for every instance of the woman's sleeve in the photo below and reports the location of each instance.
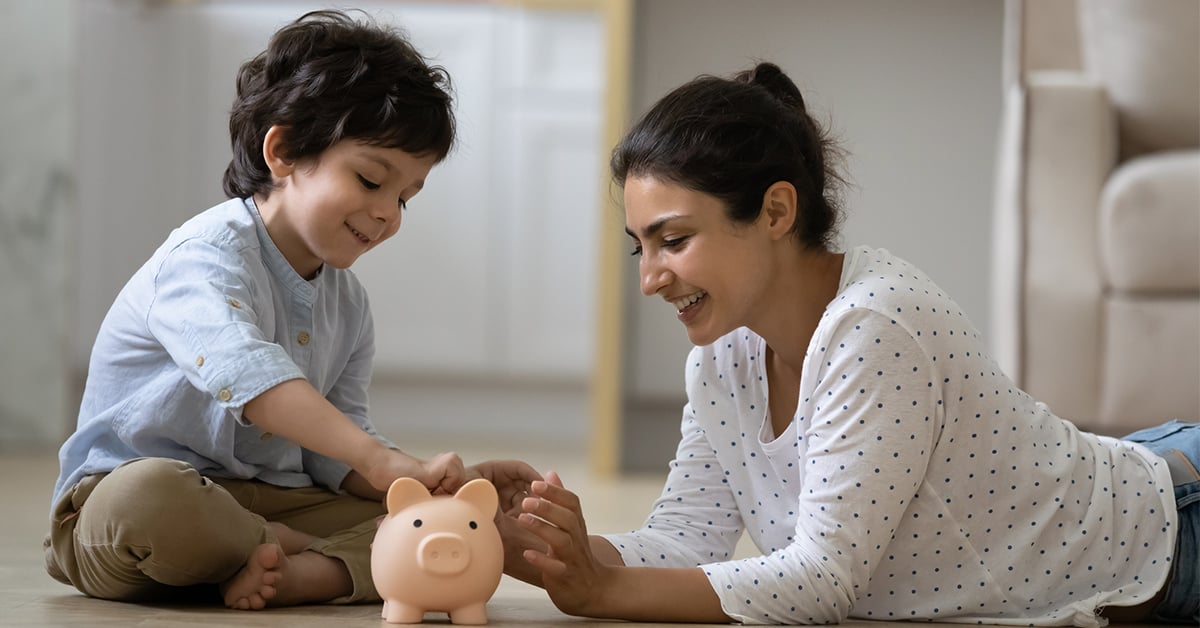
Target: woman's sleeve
(695, 520)
(876, 415)
(203, 314)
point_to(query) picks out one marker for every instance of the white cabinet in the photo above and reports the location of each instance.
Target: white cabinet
(493, 272)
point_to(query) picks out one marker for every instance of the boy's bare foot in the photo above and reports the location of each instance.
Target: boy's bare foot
(292, 541)
(273, 577)
(257, 583)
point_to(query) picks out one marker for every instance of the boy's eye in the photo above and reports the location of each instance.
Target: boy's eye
(367, 183)
(637, 250)
(402, 204)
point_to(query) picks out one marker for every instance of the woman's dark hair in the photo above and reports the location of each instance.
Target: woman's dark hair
(732, 139)
(326, 77)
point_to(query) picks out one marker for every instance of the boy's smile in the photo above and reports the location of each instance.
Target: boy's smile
(332, 209)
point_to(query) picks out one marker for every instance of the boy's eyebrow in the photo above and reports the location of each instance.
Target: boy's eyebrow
(389, 166)
(378, 159)
(655, 226)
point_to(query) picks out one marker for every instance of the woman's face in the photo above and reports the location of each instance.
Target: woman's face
(711, 270)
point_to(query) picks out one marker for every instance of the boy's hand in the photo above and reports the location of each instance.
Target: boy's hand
(443, 473)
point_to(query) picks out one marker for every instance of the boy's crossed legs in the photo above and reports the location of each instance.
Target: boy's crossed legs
(154, 525)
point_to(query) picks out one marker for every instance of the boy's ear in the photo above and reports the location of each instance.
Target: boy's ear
(279, 166)
(779, 208)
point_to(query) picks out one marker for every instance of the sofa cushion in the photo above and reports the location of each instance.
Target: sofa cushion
(1151, 363)
(1150, 225)
(1147, 53)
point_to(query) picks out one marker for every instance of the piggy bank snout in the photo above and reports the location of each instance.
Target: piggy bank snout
(443, 553)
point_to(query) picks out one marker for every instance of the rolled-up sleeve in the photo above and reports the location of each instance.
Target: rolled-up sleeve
(204, 315)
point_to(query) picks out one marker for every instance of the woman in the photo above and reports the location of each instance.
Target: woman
(844, 412)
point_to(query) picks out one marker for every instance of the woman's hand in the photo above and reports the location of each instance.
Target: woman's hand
(570, 572)
(512, 479)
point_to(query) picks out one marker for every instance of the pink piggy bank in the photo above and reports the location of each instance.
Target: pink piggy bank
(437, 553)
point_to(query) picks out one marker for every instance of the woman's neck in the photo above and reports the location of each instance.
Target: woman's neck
(808, 281)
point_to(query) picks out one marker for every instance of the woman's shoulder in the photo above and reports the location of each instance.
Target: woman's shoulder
(876, 279)
(736, 351)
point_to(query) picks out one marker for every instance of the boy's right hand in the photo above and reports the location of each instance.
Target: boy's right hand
(443, 473)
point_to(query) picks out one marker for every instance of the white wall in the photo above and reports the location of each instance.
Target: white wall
(912, 88)
(37, 207)
(484, 302)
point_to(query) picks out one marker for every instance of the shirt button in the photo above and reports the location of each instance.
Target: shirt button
(235, 304)
(265, 436)
(200, 360)
(303, 338)
(224, 394)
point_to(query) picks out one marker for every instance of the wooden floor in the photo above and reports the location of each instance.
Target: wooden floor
(29, 597)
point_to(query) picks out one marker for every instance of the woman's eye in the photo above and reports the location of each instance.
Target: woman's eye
(367, 183)
(671, 243)
(637, 251)
(402, 204)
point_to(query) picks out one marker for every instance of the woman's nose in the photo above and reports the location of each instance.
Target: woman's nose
(654, 277)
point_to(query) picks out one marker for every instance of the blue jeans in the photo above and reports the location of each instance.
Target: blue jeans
(1179, 443)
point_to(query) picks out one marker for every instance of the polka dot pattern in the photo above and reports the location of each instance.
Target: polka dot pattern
(916, 481)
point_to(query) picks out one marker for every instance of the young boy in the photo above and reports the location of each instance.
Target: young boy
(223, 436)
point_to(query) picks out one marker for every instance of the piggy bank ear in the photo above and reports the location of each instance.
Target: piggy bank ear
(405, 492)
(481, 494)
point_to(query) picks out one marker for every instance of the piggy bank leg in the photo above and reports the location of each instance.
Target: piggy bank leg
(398, 613)
(474, 614)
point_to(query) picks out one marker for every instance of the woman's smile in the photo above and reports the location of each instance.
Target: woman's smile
(687, 307)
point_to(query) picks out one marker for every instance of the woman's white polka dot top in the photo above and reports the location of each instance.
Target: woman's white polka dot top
(916, 481)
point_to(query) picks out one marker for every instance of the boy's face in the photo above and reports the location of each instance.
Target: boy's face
(333, 209)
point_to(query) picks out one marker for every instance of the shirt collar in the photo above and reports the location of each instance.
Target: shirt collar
(276, 263)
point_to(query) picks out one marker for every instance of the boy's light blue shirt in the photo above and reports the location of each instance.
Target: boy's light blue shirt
(215, 318)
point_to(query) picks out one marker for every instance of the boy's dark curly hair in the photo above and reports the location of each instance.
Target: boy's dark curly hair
(327, 77)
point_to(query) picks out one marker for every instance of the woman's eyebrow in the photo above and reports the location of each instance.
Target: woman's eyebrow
(655, 226)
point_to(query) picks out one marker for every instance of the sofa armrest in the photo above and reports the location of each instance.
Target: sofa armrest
(1067, 141)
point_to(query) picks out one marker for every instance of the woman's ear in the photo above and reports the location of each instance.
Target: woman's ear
(277, 162)
(779, 209)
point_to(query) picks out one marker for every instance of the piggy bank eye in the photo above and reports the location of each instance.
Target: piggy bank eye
(417, 523)
(473, 525)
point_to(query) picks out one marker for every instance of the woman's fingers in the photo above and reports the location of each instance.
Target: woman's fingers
(553, 491)
(547, 565)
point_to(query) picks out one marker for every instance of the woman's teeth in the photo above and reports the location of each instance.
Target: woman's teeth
(683, 303)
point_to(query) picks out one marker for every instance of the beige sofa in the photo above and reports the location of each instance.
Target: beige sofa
(1096, 286)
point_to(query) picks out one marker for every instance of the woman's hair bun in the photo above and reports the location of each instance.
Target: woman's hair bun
(771, 78)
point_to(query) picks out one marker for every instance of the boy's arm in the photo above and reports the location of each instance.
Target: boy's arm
(296, 411)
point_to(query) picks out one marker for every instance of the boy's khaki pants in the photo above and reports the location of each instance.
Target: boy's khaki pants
(153, 525)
